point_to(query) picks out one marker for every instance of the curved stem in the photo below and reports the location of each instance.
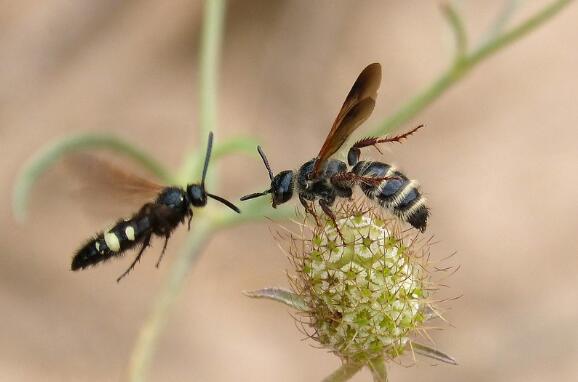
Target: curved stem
(461, 67)
(46, 157)
(458, 29)
(155, 323)
(502, 19)
(518, 32)
(344, 373)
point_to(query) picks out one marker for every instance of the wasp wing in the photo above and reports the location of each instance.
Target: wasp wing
(106, 188)
(357, 107)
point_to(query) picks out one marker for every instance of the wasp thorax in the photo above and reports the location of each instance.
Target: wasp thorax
(365, 292)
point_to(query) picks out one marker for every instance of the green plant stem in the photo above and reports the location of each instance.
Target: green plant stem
(462, 66)
(344, 373)
(209, 60)
(457, 25)
(378, 369)
(155, 323)
(504, 16)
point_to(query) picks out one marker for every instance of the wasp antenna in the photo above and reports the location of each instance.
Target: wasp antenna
(255, 195)
(225, 202)
(264, 157)
(207, 157)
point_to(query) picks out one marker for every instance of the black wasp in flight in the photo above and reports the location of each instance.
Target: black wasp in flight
(158, 217)
(324, 179)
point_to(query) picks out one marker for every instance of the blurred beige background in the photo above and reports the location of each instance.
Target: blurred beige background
(498, 160)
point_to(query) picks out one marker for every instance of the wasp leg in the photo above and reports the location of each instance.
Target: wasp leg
(164, 249)
(145, 244)
(349, 179)
(190, 213)
(374, 140)
(308, 208)
(326, 207)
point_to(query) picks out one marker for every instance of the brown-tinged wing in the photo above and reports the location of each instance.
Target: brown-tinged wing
(105, 187)
(357, 107)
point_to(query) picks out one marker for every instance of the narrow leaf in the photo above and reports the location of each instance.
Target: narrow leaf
(280, 295)
(245, 145)
(432, 353)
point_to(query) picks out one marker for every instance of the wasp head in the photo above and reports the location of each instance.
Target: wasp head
(281, 184)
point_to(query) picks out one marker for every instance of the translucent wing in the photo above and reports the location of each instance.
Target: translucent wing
(105, 187)
(357, 107)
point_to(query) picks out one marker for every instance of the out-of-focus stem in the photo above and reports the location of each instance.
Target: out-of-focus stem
(463, 66)
(209, 64)
(378, 370)
(344, 373)
(155, 323)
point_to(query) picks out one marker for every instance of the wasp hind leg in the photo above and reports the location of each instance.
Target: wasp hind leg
(355, 152)
(164, 249)
(145, 244)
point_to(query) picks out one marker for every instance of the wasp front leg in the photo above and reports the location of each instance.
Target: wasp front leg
(326, 207)
(308, 208)
(355, 150)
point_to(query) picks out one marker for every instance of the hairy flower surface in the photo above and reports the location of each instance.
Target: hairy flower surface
(363, 285)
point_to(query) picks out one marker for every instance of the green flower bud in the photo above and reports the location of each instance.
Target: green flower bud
(363, 285)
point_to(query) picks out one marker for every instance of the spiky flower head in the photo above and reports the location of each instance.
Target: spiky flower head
(361, 286)
(363, 283)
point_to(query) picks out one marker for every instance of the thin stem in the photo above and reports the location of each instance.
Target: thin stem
(378, 369)
(210, 54)
(461, 67)
(209, 64)
(344, 373)
(518, 32)
(502, 19)
(457, 25)
(155, 323)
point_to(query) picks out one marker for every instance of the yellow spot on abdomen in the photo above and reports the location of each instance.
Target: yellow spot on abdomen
(112, 241)
(129, 232)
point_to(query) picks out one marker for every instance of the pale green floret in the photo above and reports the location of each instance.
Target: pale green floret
(365, 296)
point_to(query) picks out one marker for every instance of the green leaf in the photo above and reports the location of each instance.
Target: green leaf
(193, 164)
(432, 353)
(47, 156)
(280, 295)
(245, 145)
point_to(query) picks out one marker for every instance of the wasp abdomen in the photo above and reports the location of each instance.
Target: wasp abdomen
(125, 234)
(399, 195)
